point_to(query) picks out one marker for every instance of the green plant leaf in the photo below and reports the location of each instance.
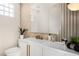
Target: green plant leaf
(75, 40)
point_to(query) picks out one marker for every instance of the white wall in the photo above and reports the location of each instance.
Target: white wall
(9, 30)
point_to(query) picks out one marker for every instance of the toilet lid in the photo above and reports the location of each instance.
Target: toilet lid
(12, 50)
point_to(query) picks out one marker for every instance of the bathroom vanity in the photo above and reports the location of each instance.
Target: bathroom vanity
(36, 47)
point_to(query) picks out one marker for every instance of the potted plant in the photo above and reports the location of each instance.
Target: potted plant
(22, 31)
(75, 41)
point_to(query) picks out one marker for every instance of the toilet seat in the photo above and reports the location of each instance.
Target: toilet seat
(15, 51)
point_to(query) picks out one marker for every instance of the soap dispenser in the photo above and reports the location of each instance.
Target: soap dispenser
(49, 37)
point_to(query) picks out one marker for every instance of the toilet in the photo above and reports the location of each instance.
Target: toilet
(15, 51)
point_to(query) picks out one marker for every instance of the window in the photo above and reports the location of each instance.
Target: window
(7, 9)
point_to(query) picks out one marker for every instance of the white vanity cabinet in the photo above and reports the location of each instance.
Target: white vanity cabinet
(36, 47)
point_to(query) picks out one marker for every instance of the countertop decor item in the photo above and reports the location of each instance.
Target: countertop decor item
(75, 40)
(76, 47)
(22, 31)
(39, 37)
(68, 43)
(49, 37)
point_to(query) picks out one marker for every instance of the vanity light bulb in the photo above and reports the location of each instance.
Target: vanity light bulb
(73, 6)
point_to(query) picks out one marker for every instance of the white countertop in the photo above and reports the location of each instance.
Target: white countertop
(56, 45)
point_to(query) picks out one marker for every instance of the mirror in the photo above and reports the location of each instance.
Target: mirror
(46, 18)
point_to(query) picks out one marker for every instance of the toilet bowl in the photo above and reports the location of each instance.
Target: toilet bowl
(15, 51)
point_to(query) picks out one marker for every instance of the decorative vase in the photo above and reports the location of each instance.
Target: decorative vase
(76, 47)
(21, 36)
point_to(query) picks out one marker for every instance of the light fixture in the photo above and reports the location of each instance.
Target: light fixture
(73, 6)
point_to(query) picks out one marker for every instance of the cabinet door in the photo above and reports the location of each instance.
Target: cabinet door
(24, 51)
(24, 48)
(35, 50)
(48, 52)
(55, 52)
(52, 52)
